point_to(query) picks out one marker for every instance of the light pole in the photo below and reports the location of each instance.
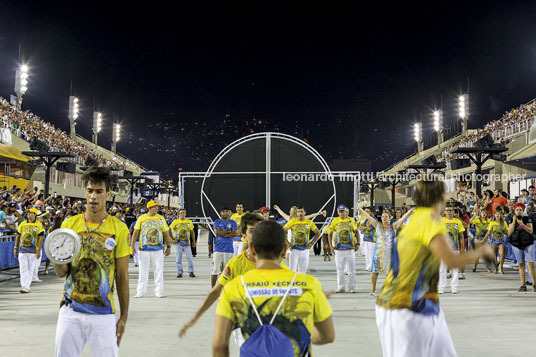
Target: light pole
(97, 126)
(438, 125)
(21, 83)
(463, 109)
(417, 132)
(74, 109)
(116, 136)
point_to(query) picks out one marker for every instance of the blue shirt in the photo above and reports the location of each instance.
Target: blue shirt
(2, 215)
(223, 244)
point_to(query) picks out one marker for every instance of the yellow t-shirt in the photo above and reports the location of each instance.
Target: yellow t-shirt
(237, 266)
(29, 235)
(368, 236)
(182, 229)
(238, 219)
(343, 233)
(300, 232)
(304, 305)
(412, 281)
(90, 282)
(497, 231)
(454, 227)
(481, 226)
(151, 230)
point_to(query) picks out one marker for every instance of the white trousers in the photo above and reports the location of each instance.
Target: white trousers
(135, 254)
(156, 259)
(299, 259)
(238, 247)
(37, 264)
(368, 251)
(404, 333)
(26, 268)
(345, 263)
(74, 329)
(443, 277)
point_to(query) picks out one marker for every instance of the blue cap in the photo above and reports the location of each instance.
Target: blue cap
(341, 207)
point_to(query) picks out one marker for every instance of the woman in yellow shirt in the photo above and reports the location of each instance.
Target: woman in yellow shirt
(497, 234)
(408, 316)
(481, 224)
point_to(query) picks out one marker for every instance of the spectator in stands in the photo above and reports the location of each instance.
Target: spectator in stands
(498, 200)
(524, 251)
(12, 217)
(530, 195)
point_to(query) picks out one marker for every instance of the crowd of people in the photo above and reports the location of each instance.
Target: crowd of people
(498, 129)
(473, 227)
(27, 125)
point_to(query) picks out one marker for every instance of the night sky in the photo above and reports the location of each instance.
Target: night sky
(351, 81)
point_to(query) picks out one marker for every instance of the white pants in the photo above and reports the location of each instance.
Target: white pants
(26, 268)
(238, 247)
(156, 259)
(443, 277)
(135, 254)
(361, 243)
(74, 329)
(37, 264)
(219, 261)
(345, 263)
(238, 338)
(299, 259)
(368, 250)
(404, 333)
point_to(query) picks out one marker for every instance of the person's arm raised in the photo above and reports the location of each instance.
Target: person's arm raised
(281, 213)
(399, 223)
(372, 221)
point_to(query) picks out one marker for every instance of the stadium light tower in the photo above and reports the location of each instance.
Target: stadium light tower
(97, 125)
(116, 136)
(74, 109)
(463, 109)
(438, 125)
(21, 83)
(417, 132)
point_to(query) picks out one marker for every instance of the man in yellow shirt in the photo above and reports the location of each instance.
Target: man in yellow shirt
(369, 238)
(238, 245)
(300, 243)
(305, 315)
(183, 230)
(87, 312)
(151, 229)
(344, 241)
(237, 266)
(455, 233)
(30, 234)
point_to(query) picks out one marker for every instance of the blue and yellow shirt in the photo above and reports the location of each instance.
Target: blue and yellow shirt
(90, 283)
(412, 281)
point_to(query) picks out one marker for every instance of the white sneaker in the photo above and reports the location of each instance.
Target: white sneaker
(24, 291)
(352, 291)
(441, 291)
(373, 294)
(37, 281)
(340, 291)
(137, 296)
(454, 291)
(159, 295)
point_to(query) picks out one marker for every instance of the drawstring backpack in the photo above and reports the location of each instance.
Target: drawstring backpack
(267, 340)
